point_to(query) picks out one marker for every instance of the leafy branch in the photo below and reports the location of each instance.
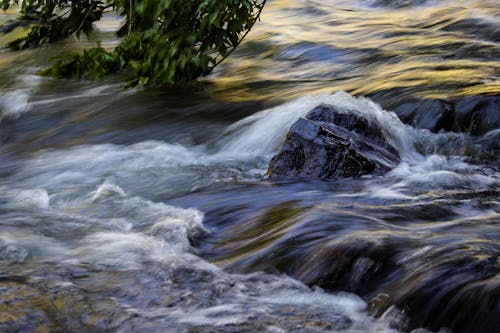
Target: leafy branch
(164, 41)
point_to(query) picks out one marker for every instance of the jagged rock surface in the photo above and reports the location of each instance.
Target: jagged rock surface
(330, 144)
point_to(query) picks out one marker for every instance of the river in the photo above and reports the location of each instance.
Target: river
(149, 210)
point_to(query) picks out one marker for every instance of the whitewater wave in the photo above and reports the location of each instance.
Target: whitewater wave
(17, 99)
(109, 230)
(23, 96)
(102, 206)
(159, 169)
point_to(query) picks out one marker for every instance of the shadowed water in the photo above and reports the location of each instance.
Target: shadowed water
(150, 210)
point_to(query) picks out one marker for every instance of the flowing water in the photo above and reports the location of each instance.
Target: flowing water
(149, 210)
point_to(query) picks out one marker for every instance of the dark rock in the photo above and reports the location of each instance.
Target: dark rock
(434, 115)
(329, 144)
(478, 114)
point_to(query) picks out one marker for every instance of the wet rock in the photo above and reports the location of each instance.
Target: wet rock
(478, 114)
(330, 144)
(404, 258)
(170, 298)
(434, 115)
(468, 302)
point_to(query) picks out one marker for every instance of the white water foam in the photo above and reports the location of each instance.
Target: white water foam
(150, 163)
(85, 230)
(10, 251)
(442, 172)
(114, 230)
(435, 172)
(264, 132)
(428, 160)
(108, 188)
(37, 198)
(93, 206)
(16, 101)
(155, 167)
(280, 293)
(19, 98)
(19, 244)
(103, 90)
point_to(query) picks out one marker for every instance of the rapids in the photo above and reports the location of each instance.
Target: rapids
(149, 210)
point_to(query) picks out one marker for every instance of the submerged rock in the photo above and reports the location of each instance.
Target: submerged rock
(432, 114)
(403, 257)
(478, 114)
(330, 144)
(169, 299)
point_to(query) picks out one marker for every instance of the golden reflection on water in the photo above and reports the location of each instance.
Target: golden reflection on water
(260, 232)
(423, 49)
(444, 50)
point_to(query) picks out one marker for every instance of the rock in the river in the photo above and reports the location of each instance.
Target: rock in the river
(478, 114)
(330, 144)
(431, 114)
(475, 114)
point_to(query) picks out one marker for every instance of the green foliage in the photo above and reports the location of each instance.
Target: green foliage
(91, 64)
(52, 20)
(164, 41)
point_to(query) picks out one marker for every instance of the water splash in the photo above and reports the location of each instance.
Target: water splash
(17, 99)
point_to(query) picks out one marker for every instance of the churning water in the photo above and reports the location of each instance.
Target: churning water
(150, 210)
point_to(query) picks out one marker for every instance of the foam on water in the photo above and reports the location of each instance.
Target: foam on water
(10, 251)
(21, 95)
(20, 244)
(150, 166)
(17, 99)
(106, 228)
(128, 250)
(114, 230)
(96, 205)
(435, 172)
(27, 199)
(102, 90)
(264, 132)
(273, 298)
(153, 168)
(293, 296)
(440, 171)
(428, 160)
(106, 189)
